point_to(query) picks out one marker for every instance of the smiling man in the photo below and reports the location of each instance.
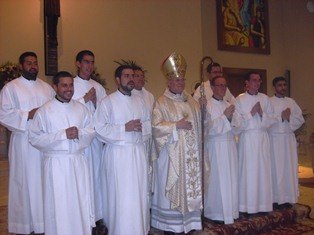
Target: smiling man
(62, 129)
(121, 123)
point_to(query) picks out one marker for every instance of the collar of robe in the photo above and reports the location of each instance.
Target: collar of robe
(128, 94)
(217, 99)
(183, 97)
(251, 93)
(83, 78)
(280, 97)
(60, 100)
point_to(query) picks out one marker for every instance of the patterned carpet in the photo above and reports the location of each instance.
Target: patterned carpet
(288, 222)
(3, 220)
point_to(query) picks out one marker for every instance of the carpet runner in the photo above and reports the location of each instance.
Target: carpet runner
(292, 221)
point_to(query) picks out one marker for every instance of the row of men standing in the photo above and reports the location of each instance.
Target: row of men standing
(63, 131)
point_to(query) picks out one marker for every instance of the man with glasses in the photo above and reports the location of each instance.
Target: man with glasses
(252, 117)
(221, 195)
(121, 123)
(213, 70)
(177, 199)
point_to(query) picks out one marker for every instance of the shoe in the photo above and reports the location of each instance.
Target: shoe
(276, 206)
(218, 221)
(169, 233)
(285, 206)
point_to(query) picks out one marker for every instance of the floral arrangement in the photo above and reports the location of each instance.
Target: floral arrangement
(8, 71)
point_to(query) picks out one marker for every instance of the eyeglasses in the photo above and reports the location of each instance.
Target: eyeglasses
(221, 85)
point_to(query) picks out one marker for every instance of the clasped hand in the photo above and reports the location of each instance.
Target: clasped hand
(257, 109)
(133, 125)
(184, 124)
(72, 133)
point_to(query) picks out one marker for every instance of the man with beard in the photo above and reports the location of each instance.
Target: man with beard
(62, 129)
(19, 100)
(89, 92)
(121, 123)
(177, 199)
(283, 145)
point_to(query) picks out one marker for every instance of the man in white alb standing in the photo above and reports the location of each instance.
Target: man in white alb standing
(283, 145)
(19, 100)
(90, 93)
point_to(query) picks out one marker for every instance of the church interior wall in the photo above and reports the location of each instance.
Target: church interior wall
(148, 31)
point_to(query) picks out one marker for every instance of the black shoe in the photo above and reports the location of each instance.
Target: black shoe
(218, 221)
(276, 206)
(285, 206)
(169, 233)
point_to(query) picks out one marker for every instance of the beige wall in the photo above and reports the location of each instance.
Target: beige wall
(148, 30)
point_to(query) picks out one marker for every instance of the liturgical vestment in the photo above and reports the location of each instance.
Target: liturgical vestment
(94, 151)
(284, 155)
(255, 184)
(124, 167)
(25, 202)
(67, 198)
(177, 199)
(221, 195)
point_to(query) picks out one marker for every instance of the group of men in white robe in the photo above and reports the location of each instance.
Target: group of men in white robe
(78, 156)
(261, 170)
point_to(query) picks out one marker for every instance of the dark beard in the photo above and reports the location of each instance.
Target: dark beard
(29, 76)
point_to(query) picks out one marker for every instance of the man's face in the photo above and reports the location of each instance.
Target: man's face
(216, 71)
(139, 79)
(126, 82)
(30, 67)
(220, 88)
(281, 88)
(254, 83)
(86, 66)
(176, 85)
(64, 89)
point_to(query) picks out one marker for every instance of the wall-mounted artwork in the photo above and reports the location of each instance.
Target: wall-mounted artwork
(242, 26)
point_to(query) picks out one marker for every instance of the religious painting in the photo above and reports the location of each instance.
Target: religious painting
(236, 79)
(242, 26)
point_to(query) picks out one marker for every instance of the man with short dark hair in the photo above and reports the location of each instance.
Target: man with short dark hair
(121, 123)
(62, 129)
(213, 70)
(283, 145)
(253, 115)
(221, 195)
(90, 93)
(19, 100)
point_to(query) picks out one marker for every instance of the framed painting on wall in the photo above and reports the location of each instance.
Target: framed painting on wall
(243, 26)
(236, 79)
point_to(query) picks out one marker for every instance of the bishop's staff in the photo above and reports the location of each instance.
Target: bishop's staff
(203, 112)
